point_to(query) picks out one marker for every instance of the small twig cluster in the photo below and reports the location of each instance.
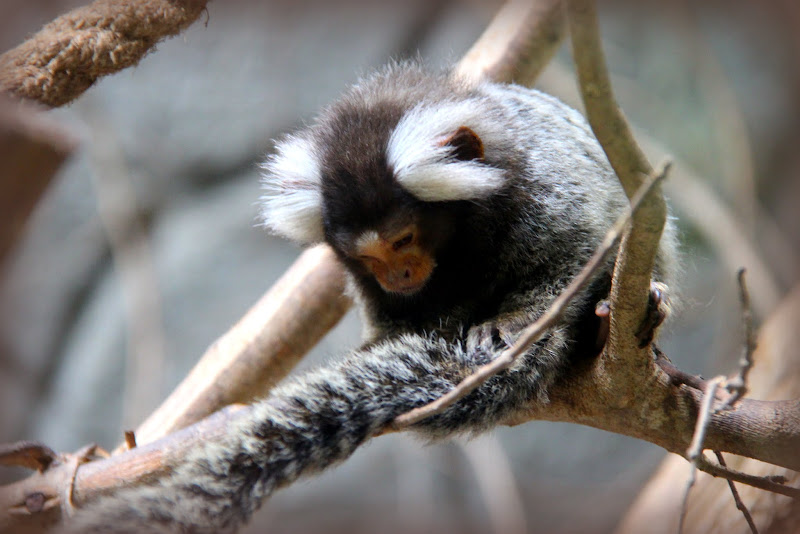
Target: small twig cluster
(736, 387)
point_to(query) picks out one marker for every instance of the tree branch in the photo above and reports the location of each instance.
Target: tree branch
(776, 376)
(142, 464)
(32, 148)
(261, 349)
(737, 499)
(634, 267)
(71, 53)
(518, 43)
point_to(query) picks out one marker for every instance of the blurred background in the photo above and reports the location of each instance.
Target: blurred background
(145, 248)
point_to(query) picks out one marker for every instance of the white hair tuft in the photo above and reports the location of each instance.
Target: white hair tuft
(291, 205)
(424, 166)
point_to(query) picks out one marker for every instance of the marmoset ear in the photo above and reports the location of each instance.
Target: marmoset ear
(437, 152)
(465, 144)
(291, 205)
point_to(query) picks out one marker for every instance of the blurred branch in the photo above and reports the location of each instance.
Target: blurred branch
(69, 54)
(497, 483)
(701, 206)
(518, 43)
(129, 241)
(259, 350)
(735, 149)
(32, 148)
(729, 128)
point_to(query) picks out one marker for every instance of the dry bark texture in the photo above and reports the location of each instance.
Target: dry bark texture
(711, 509)
(69, 54)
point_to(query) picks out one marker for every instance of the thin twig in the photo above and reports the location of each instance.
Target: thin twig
(695, 451)
(676, 375)
(737, 385)
(736, 498)
(774, 484)
(533, 332)
(685, 501)
(703, 418)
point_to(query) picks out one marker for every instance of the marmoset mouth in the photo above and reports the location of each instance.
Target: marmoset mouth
(405, 289)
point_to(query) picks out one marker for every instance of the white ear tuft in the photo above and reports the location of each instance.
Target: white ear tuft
(456, 180)
(425, 166)
(292, 202)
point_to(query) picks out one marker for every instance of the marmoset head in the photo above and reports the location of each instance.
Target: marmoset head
(383, 176)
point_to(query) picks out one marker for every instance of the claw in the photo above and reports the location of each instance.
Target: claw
(657, 310)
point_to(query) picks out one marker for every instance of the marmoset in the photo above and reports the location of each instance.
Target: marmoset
(460, 210)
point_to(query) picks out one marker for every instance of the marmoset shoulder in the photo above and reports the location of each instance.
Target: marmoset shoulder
(459, 210)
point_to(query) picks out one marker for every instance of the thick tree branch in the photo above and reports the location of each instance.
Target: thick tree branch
(261, 349)
(68, 55)
(518, 43)
(634, 267)
(776, 375)
(140, 465)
